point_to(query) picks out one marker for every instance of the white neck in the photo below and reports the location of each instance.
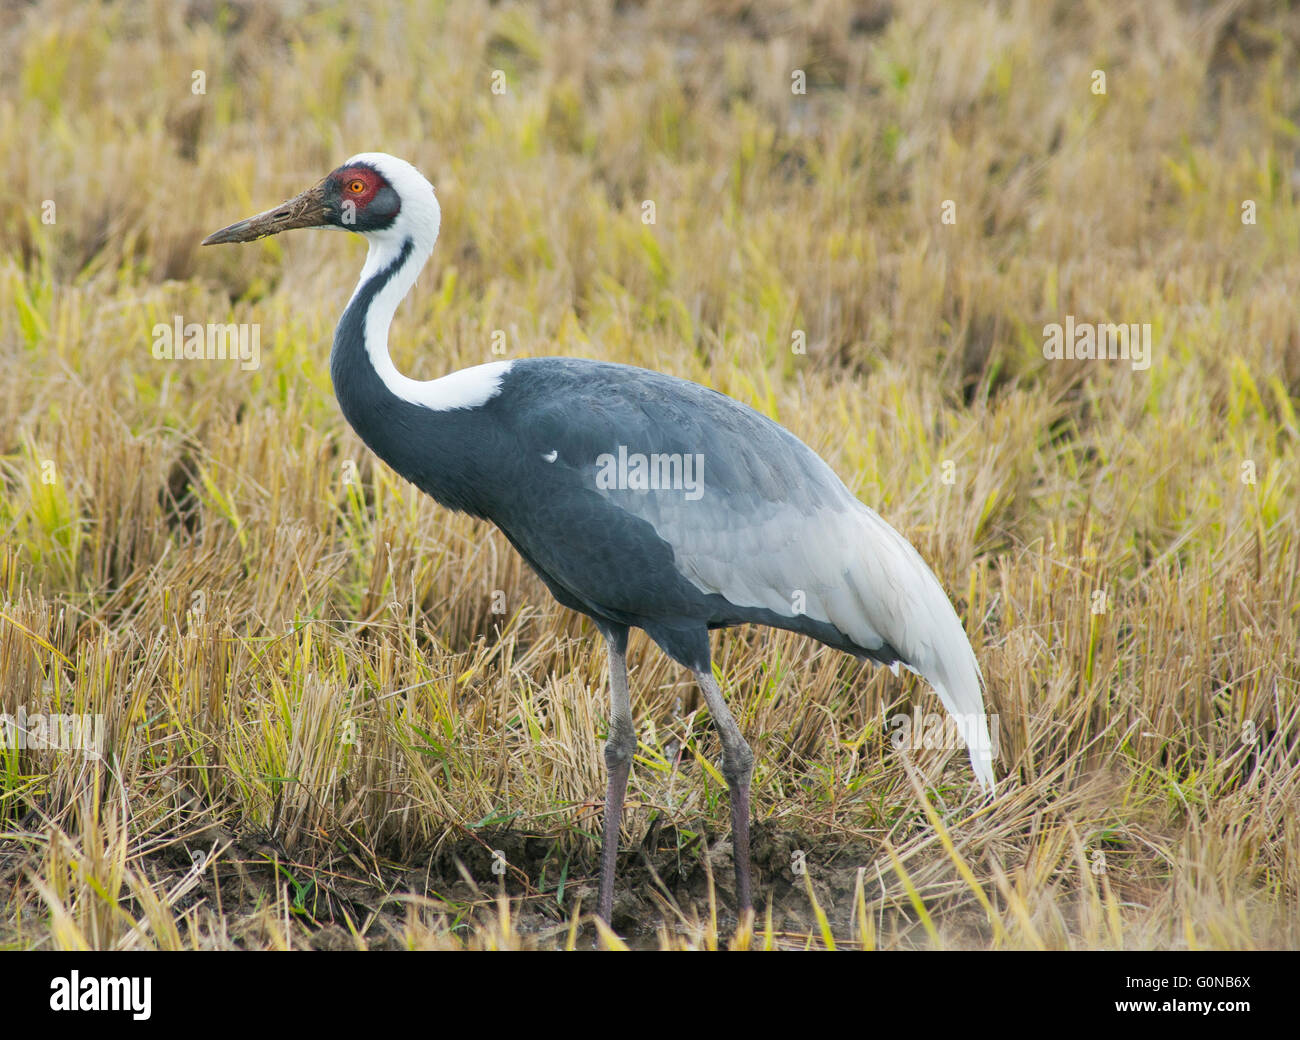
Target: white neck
(418, 223)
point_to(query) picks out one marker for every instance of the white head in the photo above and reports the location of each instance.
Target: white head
(418, 216)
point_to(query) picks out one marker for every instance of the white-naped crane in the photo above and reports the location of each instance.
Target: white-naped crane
(641, 500)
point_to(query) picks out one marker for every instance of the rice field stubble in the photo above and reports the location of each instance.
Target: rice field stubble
(335, 715)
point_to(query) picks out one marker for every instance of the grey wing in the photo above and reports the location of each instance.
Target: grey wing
(749, 511)
(763, 522)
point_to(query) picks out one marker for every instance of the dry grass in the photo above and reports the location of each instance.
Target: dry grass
(312, 714)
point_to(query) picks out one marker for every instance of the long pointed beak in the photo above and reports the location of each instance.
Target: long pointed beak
(310, 209)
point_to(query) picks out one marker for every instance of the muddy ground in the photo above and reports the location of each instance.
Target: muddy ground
(663, 885)
(663, 881)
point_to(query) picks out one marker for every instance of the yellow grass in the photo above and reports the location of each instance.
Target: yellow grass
(317, 732)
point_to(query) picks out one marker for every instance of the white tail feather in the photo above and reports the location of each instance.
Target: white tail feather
(898, 598)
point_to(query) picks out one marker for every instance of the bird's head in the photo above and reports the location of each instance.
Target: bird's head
(376, 195)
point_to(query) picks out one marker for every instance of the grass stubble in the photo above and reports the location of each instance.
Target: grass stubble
(328, 703)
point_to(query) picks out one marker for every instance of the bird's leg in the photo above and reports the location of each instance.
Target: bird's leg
(619, 749)
(737, 768)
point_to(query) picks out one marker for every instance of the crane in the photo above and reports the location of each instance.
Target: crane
(640, 500)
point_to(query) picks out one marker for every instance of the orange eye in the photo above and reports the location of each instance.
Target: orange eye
(357, 186)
